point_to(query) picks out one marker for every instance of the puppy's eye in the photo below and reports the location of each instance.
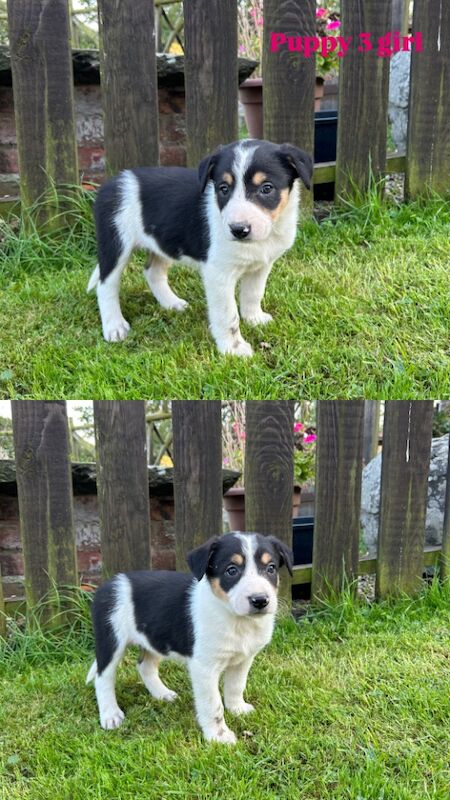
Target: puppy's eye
(224, 188)
(266, 188)
(232, 571)
(271, 568)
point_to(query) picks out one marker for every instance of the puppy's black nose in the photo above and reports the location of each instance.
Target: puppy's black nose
(240, 230)
(259, 600)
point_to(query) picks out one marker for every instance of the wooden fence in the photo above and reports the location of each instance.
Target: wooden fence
(45, 491)
(43, 91)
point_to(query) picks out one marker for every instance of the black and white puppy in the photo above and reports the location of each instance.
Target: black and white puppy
(215, 621)
(232, 219)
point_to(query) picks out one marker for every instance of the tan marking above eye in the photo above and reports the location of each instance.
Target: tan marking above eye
(259, 178)
(236, 558)
(227, 178)
(266, 558)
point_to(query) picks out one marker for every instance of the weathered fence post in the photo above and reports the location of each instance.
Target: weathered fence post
(289, 80)
(211, 75)
(404, 485)
(129, 83)
(428, 146)
(339, 457)
(41, 64)
(44, 488)
(2, 608)
(363, 97)
(197, 456)
(122, 485)
(269, 471)
(444, 567)
(371, 425)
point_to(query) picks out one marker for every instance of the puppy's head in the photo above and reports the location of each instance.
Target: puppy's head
(242, 570)
(253, 180)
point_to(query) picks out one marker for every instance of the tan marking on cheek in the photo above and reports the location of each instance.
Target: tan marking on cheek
(266, 558)
(281, 205)
(236, 558)
(218, 591)
(227, 178)
(259, 178)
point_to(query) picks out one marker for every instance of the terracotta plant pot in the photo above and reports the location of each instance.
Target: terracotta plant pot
(251, 97)
(234, 505)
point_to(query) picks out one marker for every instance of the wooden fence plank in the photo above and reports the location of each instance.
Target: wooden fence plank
(363, 98)
(289, 80)
(2, 608)
(44, 488)
(211, 75)
(122, 485)
(444, 567)
(41, 64)
(129, 83)
(428, 145)
(197, 480)
(269, 471)
(371, 429)
(339, 459)
(404, 484)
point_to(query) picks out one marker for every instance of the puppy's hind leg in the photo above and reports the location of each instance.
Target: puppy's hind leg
(148, 670)
(155, 272)
(115, 327)
(111, 716)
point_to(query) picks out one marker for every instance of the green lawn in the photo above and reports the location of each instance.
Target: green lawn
(353, 703)
(361, 306)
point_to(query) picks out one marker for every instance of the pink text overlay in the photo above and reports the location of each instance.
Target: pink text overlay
(385, 46)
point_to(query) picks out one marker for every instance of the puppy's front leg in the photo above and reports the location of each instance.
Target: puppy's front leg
(253, 285)
(223, 314)
(208, 704)
(235, 679)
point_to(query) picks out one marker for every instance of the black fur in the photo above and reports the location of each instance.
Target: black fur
(105, 639)
(161, 607)
(109, 245)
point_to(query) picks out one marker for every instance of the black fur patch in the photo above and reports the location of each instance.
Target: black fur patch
(109, 246)
(161, 607)
(105, 639)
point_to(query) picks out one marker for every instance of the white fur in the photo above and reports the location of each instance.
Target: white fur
(228, 261)
(226, 640)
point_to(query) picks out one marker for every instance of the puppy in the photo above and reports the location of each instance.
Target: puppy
(232, 219)
(215, 621)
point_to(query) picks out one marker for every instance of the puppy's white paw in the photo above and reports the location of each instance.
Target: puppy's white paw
(222, 735)
(169, 696)
(179, 304)
(241, 708)
(116, 330)
(258, 318)
(236, 347)
(112, 718)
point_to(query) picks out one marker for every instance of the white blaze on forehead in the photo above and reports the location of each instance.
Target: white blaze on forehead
(249, 545)
(241, 163)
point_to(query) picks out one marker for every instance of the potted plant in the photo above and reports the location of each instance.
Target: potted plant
(250, 26)
(234, 452)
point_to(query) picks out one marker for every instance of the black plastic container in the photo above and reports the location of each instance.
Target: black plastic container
(325, 138)
(302, 545)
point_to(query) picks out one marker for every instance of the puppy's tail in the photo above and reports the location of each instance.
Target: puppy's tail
(94, 279)
(92, 673)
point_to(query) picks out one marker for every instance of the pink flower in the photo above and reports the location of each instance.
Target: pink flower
(226, 461)
(260, 21)
(331, 26)
(321, 12)
(310, 438)
(298, 427)
(241, 48)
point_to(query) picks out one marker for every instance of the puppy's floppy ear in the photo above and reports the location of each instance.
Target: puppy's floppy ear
(198, 559)
(206, 167)
(284, 553)
(299, 160)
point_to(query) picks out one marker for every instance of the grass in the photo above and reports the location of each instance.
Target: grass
(353, 703)
(361, 309)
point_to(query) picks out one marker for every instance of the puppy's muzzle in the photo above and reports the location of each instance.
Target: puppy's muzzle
(240, 230)
(259, 601)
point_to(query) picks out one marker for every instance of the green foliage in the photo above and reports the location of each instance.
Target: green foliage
(360, 307)
(352, 703)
